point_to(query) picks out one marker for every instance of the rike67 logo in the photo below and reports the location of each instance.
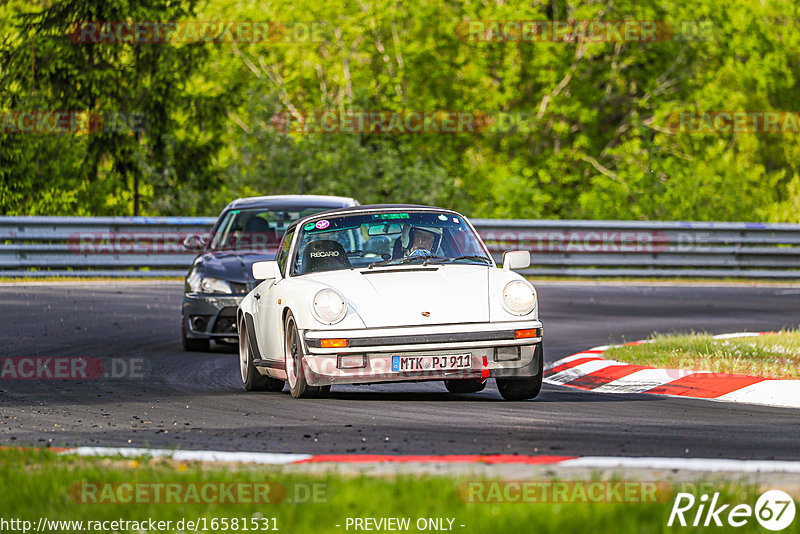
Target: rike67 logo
(774, 510)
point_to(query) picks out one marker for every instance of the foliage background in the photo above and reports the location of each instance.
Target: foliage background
(597, 149)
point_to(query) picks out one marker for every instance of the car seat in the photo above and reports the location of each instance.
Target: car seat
(324, 255)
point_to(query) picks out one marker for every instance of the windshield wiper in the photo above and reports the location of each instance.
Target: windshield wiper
(470, 257)
(403, 261)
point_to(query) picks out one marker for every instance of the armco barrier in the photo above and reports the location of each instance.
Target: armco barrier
(152, 246)
(97, 246)
(649, 248)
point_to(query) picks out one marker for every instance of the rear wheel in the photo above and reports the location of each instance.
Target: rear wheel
(295, 375)
(192, 344)
(251, 378)
(465, 386)
(523, 389)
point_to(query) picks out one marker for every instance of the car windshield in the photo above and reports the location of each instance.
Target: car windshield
(376, 240)
(255, 230)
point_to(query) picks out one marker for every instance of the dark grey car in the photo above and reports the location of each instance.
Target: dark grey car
(247, 231)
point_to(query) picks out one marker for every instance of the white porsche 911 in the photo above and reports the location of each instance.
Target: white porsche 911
(373, 294)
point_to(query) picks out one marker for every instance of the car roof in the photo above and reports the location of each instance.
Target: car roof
(368, 208)
(292, 202)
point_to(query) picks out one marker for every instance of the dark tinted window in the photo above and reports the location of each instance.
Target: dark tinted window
(256, 230)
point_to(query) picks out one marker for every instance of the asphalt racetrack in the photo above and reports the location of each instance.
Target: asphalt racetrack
(195, 400)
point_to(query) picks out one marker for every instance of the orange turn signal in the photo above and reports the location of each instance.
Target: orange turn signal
(333, 343)
(528, 332)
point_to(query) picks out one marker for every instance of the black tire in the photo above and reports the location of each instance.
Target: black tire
(251, 378)
(193, 344)
(293, 353)
(465, 386)
(523, 389)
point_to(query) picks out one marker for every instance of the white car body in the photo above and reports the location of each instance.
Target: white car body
(420, 311)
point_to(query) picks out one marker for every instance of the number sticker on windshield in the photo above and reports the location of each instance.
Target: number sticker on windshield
(390, 216)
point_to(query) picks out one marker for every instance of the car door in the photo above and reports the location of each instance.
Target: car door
(269, 328)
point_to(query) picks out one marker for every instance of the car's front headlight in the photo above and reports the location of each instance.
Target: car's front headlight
(519, 297)
(214, 285)
(329, 306)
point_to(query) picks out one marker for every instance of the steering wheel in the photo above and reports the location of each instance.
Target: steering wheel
(420, 252)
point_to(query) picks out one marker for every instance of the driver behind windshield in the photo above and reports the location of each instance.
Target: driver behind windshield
(421, 242)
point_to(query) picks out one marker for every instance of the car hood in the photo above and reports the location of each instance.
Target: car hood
(400, 296)
(233, 266)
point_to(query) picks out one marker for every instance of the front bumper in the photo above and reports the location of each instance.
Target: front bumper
(211, 316)
(493, 351)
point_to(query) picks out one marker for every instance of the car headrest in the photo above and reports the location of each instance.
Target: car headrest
(324, 255)
(258, 233)
(378, 245)
(256, 224)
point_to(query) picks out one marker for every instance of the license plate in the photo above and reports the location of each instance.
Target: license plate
(431, 363)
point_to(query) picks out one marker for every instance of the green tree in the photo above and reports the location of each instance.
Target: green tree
(119, 171)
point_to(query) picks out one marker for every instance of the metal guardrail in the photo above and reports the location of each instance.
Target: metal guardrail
(152, 246)
(649, 248)
(97, 246)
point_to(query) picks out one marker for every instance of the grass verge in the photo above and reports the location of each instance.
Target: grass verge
(40, 484)
(771, 356)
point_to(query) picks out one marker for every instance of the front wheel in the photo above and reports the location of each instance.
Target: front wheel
(522, 389)
(295, 375)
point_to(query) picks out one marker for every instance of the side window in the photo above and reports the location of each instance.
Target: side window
(218, 239)
(283, 253)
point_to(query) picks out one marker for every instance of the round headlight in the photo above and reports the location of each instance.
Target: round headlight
(329, 307)
(519, 298)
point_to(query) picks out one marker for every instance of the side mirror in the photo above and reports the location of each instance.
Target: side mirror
(194, 243)
(264, 270)
(518, 259)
